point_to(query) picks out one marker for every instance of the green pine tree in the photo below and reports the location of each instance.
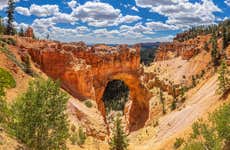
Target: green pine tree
(38, 117)
(224, 79)
(224, 38)
(212, 134)
(214, 52)
(162, 100)
(2, 28)
(21, 32)
(10, 14)
(119, 139)
(206, 46)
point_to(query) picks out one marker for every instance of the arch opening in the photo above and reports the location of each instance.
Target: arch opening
(115, 96)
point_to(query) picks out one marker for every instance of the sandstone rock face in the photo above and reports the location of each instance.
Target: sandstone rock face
(29, 32)
(85, 71)
(186, 49)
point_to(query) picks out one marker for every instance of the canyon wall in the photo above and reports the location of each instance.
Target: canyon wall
(186, 49)
(85, 71)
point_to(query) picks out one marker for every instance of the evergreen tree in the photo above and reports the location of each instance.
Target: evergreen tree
(221, 121)
(38, 118)
(228, 35)
(174, 103)
(162, 100)
(206, 46)
(10, 14)
(47, 36)
(119, 139)
(21, 32)
(2, 28)
(193, 81)
(214, 53)
(224, 79)
(212, 134)
(224, 38)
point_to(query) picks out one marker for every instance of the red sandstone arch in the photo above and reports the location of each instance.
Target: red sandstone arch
(138, 111)
(85, 71)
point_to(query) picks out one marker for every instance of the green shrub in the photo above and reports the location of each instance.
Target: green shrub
(155, 123)
(178, 143)
(73, 138)
(214, 135)
(81, 136)
(9, 41)
(78, 137)
(73, 128)
(221, 119)
(223, 79)
(173, 105)
(6, 81)
(38, 118)
(119, 139)
(88, 104)
(12, 57)
(25, 67)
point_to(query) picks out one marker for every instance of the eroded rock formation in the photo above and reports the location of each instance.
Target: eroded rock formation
(85, 71)
(186, 49)
(29, 32)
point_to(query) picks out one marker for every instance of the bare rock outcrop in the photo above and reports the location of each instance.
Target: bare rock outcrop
(186, 49)
(29, 32)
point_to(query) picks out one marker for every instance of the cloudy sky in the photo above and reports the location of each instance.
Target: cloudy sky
(115, 21)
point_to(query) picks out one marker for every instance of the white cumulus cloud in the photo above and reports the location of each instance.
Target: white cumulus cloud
(227, 2)
(183, 13)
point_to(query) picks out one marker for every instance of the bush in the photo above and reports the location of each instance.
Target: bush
(6, 81)
(173, 105)
(78, 137)
(81, 136)
(223, 79)
(37, 117)
(73, 138)
(178, 143)
(119, 139)
(214, 135)
(12, 57)
(25, 67)
(88, 104)
(9, 41)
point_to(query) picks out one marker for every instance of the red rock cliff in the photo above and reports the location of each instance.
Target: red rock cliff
(186, 49)
(85, 71)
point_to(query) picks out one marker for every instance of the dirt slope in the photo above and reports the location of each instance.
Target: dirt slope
(177, 122)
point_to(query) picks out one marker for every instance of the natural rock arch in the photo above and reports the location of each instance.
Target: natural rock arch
(85, 71)
(138, 111)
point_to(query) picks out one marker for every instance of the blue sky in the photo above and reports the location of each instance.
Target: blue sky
(115, 21)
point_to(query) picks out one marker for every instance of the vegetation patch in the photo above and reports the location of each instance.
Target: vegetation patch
(78, 137)
(213, 134)
(37, 118)
(88, 104)
(115, 96)
(119, 139)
